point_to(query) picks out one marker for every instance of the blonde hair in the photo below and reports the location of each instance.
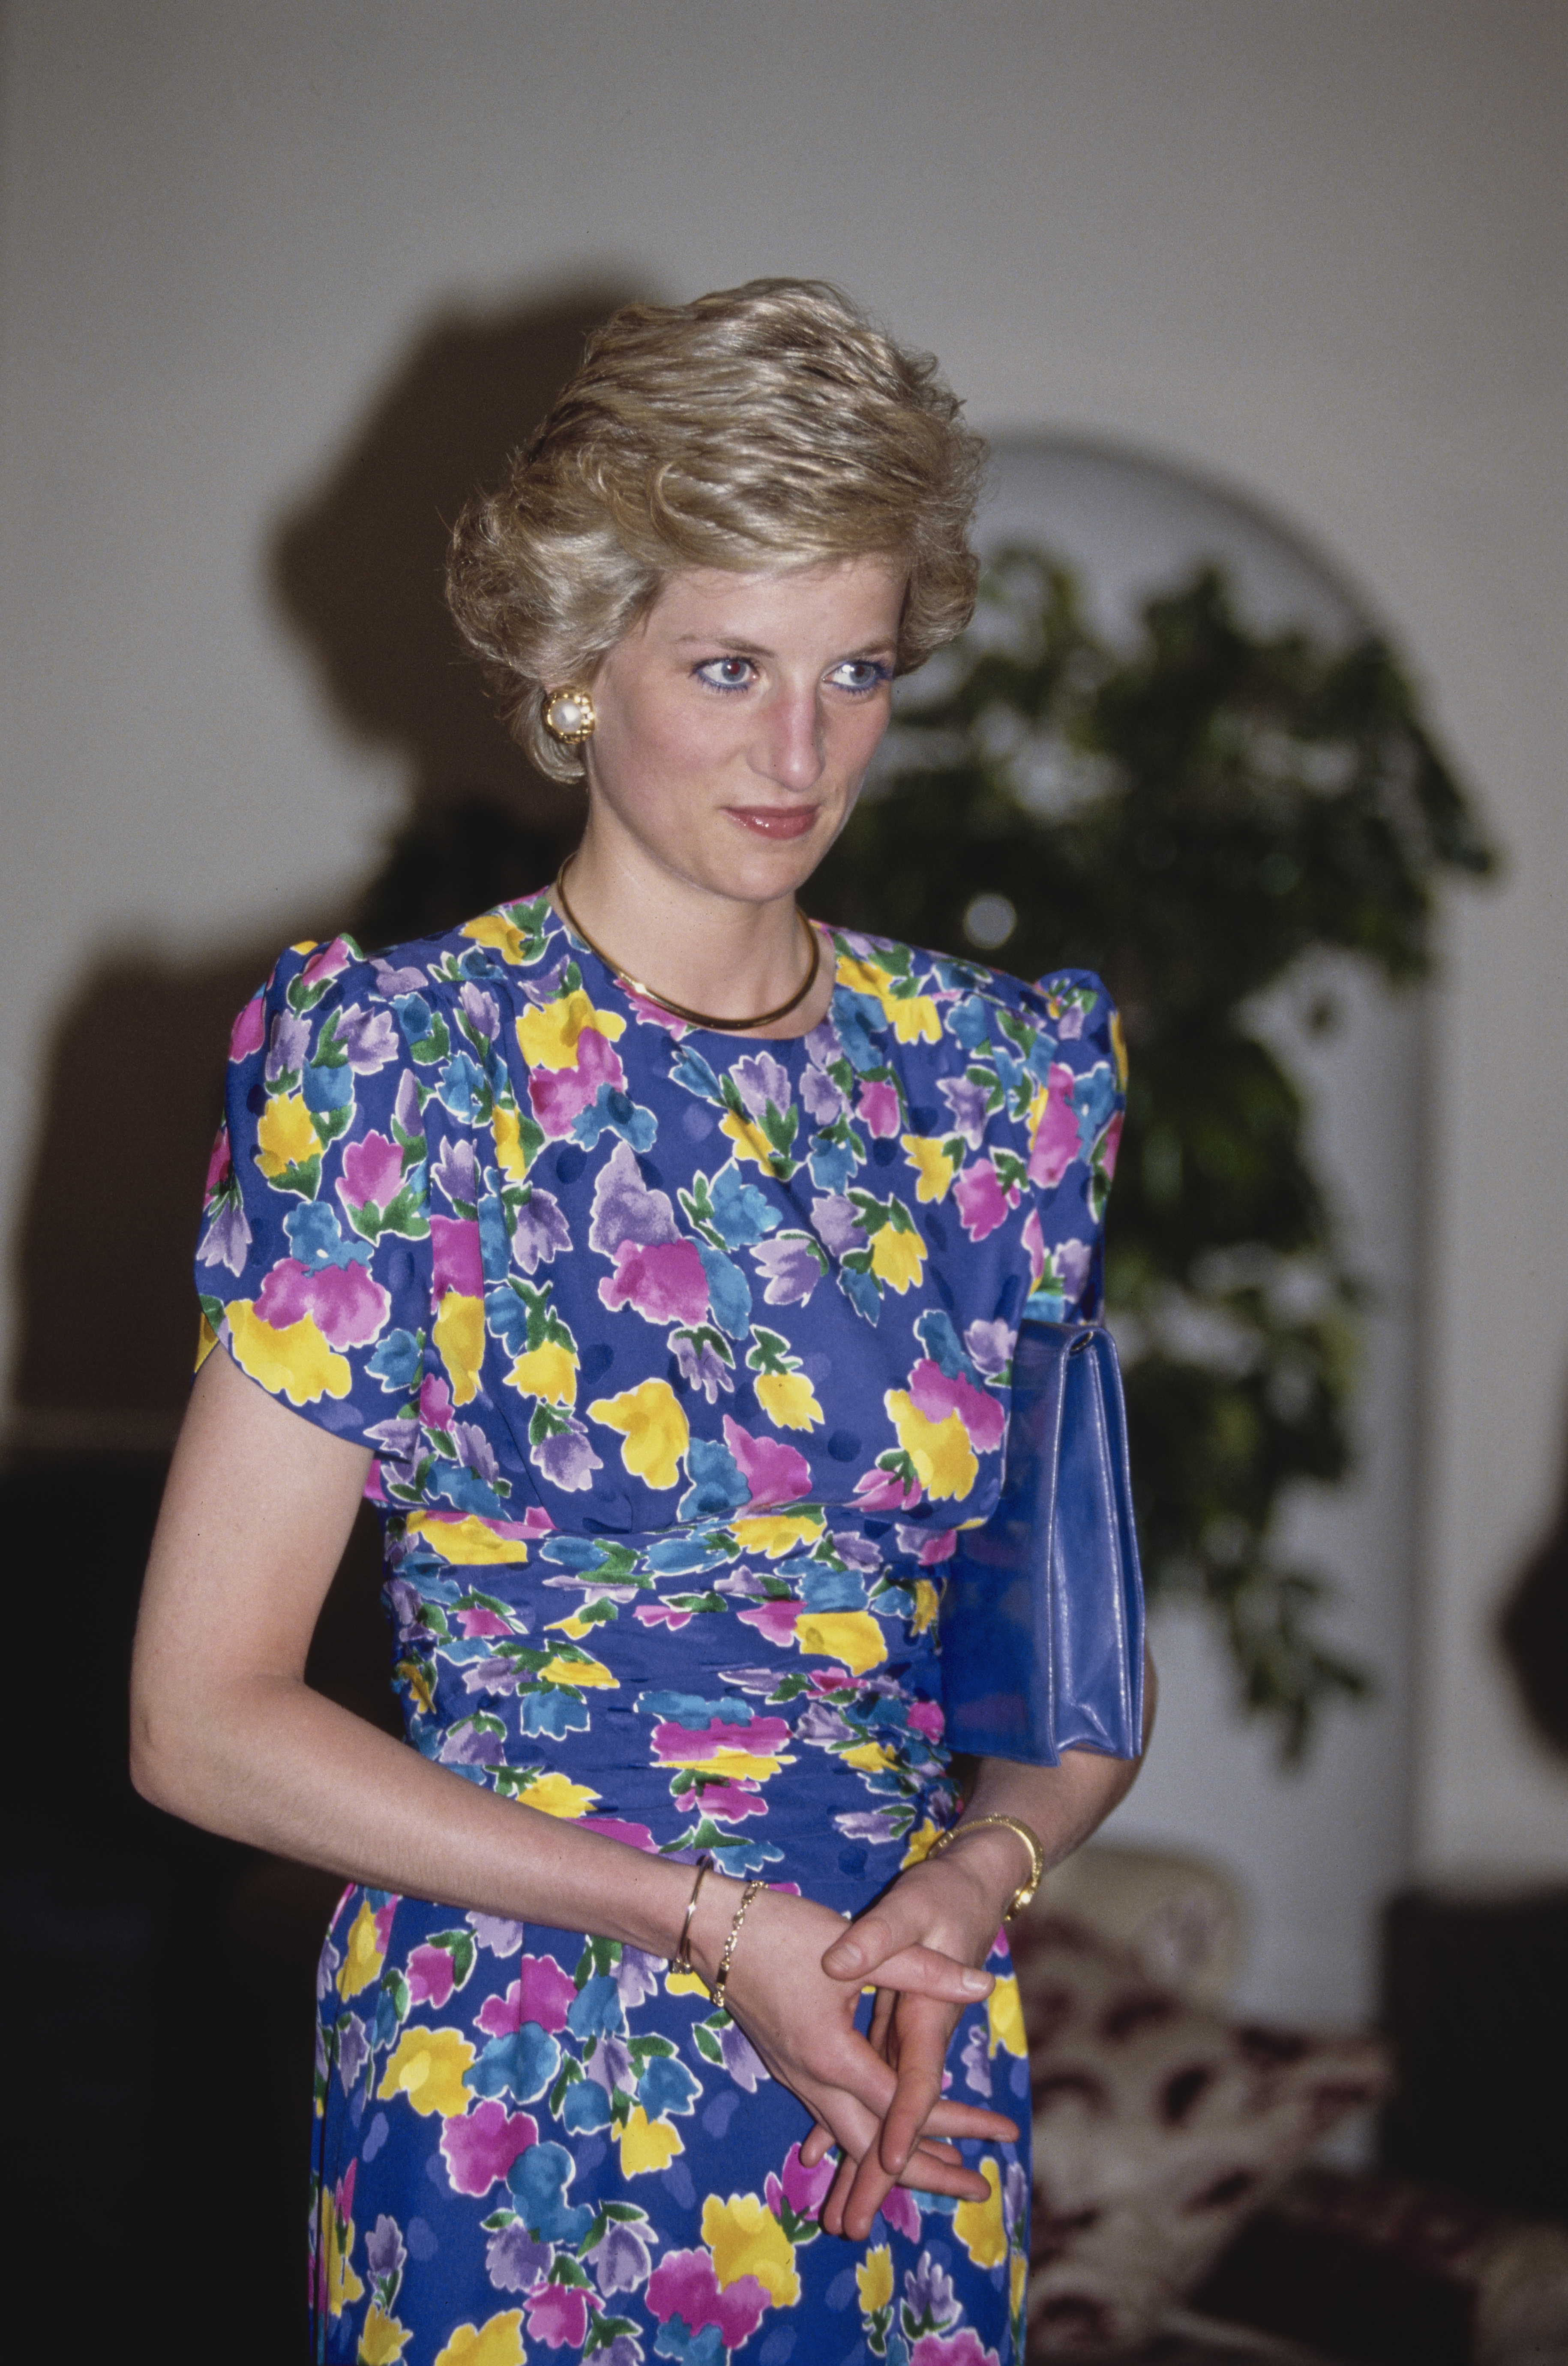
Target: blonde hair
(764, 425)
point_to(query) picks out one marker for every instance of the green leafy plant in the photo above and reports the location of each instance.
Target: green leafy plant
(1190, 817)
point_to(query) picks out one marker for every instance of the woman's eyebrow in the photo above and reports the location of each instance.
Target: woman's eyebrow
(734, 646)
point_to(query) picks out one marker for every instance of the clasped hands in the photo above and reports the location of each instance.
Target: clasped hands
(795, 1986)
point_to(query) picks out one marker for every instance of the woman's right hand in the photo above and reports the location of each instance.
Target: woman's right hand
(802, 2023)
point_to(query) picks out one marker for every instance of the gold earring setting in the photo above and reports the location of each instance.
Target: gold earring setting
(569, 717)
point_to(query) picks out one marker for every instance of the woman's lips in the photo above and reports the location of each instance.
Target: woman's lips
(774, 821)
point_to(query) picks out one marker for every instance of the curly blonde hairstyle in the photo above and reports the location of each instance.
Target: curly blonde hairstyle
(760, 426)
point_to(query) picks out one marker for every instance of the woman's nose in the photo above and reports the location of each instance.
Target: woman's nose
(792, 741)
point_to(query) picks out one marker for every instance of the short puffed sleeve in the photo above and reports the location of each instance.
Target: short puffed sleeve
(1078, 1063)
(313, 1266)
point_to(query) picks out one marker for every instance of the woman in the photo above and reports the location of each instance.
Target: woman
(652, 1258)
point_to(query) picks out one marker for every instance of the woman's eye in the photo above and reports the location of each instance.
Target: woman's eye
(726, 673)
(859, 674)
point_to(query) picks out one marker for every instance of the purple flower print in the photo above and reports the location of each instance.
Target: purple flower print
(901, 2213)
(928, 2292)
(249, 1029)
(857, 1551)
(701, 1365)
(479, 2148)
(514, 2261)
(741, 2058)
(373, 1172)
(354, 2051)
(823, 1725)
(541, 1232)
(558, 2314)
(990, 1346)
(1069, 1026)
(611, 2066)
(927, 1545)
(1056, 1133)
(621, 2262)
(760, 1080)
(369, 1038)
(406, 1113)
(454, 1247)
(225, 1239)
(290, 1043)
(566, 1459)
(833, 1217)
(982, 1202)
(1070, 1264)
(475, 1451)
(391, 982)
(457, 1171)
(792, 1267)
(975, 2063)
(384, 2247)
(967, 1101)
(685, 2284)
(625, 1209)
(822, 1096)
(493, 1932)
(1014, 2196)
(877, 1107)
(873, 1825)
(823, 1046)
(667, 1283)
(775, 1473)
(479, 1010)
(638, 1974)
(473, 1745)
(776, 1621)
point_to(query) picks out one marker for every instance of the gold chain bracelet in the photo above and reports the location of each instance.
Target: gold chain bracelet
(1031, 1840)
(722, 1980)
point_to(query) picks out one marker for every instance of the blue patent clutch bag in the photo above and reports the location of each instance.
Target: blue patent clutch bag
(1041, 1624)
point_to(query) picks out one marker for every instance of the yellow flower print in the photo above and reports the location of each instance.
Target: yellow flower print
(916, 1020)
(206, 1340)
(512, 1156)
(789, 1399)
(685, 1984)
(361, 1955)
(776, 1532)
(749, 1139)
(556, 1795)
(852, 1636)
(746, 2239)
(874, 2279)
(931, 1163)
(547, 1032)
(286, 1135)
(1119, 1047)
(469, 1542)
(1018, 2282)
(384, 2340)
(497, 2342)
(562, 1669)
(977, 2225)
(549, 1371)
(870, 1757)
(924, 1604)
(502, 936)
(897, 1257)
(427, 2065)
(1005, 2014)
(647, 2144)
(343, 2287)
(459, 1335)
(417, 1679)
(655, 1430)
(730, 1766)
(295, 1362)
(921, 1843)
(940, 1450)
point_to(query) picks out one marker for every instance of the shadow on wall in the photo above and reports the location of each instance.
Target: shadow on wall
(188, 1928)
(1533, 1631)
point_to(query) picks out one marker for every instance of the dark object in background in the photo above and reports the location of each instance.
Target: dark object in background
(1476, 2006)
(1533, 1631)
(1366, 2267)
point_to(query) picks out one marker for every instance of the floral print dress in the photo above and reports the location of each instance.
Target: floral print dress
(681, 1357)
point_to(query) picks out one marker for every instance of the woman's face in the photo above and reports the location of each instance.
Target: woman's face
(737, 719)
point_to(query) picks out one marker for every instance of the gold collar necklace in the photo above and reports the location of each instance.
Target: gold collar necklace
(679, 1009)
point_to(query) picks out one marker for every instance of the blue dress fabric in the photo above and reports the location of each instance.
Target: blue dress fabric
(681, 1357)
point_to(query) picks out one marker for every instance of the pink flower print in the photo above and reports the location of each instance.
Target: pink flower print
(559, 1096)
(682, 1745)
(326, 962)
(431, 1974)
(541, 1992)
(982, 1202)
(373, 1170)
(884, 1491)
(774, 1619)
(685, 2284)
(960, 2348)
(934, 1395)
(1055, 1136)
(901, 2213)
(284, 1296)
(636, 1836)
(454, 1245)
(350, 1306)
(775, 1474)
(659, 1614)
(480, 2148)
(1109, 1144)
(805, 2190)
(728, 1802)
(927, 1545)
(557, 2315)
(435, 1402)
(250, 1030)
(665, 1283)
(219, 1165)
(1035, 1245)
(877, 1107)
(925, 1716)
(483, 1622)
(382, 1919)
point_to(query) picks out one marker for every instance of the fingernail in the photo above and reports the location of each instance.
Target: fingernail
(846, 1956)
(975, 1983)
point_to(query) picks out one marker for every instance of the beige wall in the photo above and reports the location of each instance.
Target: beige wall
(1316, 245)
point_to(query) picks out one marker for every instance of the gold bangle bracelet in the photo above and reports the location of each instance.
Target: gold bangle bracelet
(681, 1961)
(1031, 1840)
(722, 1980)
